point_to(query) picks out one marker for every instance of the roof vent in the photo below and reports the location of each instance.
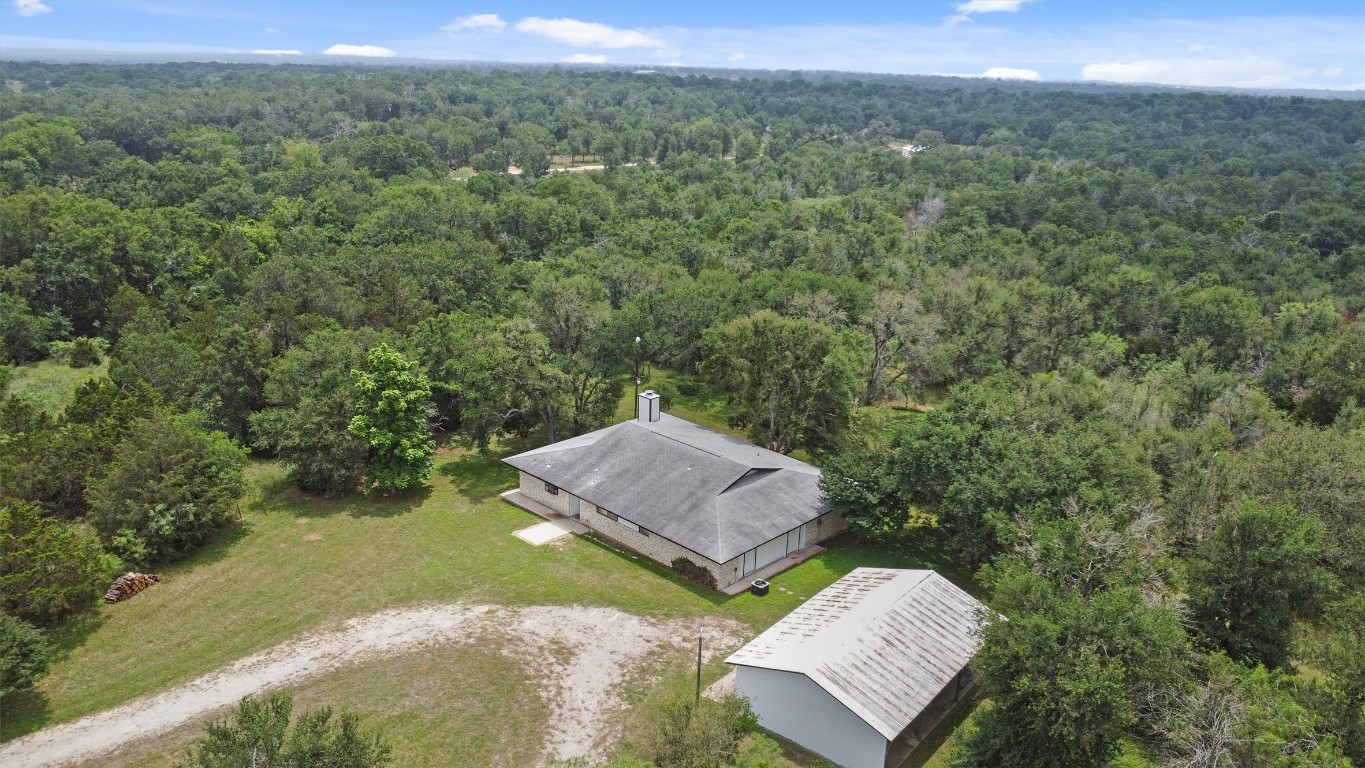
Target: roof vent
(647, 407)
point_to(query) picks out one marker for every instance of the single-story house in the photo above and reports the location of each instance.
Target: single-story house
(667, 489)
(862, 671)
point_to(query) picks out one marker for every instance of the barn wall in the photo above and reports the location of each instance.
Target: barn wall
(790, 705)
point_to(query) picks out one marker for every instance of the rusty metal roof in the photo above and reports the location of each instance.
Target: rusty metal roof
(882, 641)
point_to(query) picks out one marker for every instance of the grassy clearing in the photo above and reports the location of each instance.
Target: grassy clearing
(704, 406)
(51, 384)
(272, 578)
(457, 705)
(298, 564)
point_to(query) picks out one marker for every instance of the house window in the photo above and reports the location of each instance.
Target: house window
(628, 524)
(551, 489)
(606, 514)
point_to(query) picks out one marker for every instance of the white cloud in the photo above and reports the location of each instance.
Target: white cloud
(278, 52)
(1011, 73)
(269, 31)
(478, 21)
(990, 6)
(999, 73)
(342, 49)
(737, 56)
(587, 33)
(965, 10)
(28, 8)
(587, 58)
(1240, 72)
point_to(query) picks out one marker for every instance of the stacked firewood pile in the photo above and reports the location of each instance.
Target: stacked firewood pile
(130, 584)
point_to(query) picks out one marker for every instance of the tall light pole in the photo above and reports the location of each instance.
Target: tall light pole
(637, 370)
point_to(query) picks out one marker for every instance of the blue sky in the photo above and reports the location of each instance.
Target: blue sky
(1249, 44)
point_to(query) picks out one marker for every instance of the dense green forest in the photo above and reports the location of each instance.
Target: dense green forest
(1102, 347)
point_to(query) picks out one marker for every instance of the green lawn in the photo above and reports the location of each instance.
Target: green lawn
(51, 384)
(456, 705)
(297, 564)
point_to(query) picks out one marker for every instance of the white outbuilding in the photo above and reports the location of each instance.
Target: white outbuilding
(862, 671)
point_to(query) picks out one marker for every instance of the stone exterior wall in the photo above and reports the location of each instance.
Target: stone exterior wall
(647, 542)
(826, 526)
(656, 547)
(534, 488)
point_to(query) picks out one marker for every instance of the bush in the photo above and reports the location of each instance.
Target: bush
(169, 487)
(694, 573)
(81, 352)
(24, 655)
(684, 734)
(48, 569)
(258, 734)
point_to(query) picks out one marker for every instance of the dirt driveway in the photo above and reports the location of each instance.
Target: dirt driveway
(580, 685)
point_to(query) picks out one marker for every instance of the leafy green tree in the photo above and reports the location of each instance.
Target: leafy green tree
(393, 403)
(1238, 716)
(1066, 675)
(863, 486)
(48, 569)
(171, 484)
(705, 734)
(1251, 578)
(1340, 651)
(589, 347)
(230, 378)
(794, 379)
(470, 367)
(24, 655)
(259, 734)
(311, 402)
(1009, 447)
(1229, 319)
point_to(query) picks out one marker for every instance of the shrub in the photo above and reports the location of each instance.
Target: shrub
(48, 569)
(81, 352)
(258, 734)
(684, 734)
(170, 486)
(694, 573)
(24, 655)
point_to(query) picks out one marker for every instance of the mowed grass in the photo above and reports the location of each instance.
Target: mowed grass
(457, 705)
(51, 384)
(297, 564)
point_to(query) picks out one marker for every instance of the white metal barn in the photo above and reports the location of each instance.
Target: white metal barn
(863, 670)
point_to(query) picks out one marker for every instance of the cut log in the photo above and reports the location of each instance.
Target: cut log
(129, 584)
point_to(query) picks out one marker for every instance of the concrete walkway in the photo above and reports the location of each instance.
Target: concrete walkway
(772, 569)
(541, 533)
(518, 499)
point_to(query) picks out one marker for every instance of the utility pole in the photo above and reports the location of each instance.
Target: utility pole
(637, 370)
(700, 626)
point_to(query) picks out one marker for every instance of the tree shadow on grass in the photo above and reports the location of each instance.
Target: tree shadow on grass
(214, 549)
(25, 712)
(29, 710)
(479, 477)
(387, 504)
(280, 496)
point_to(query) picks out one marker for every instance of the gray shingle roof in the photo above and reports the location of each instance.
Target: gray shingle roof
(882, 641)
(714, 494)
